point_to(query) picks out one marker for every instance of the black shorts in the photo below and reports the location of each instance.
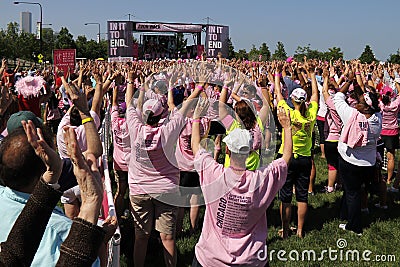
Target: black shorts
(189, 183)
(216, 127)
(391, 141)
(321, 126)
(298, 175)
(332, 154)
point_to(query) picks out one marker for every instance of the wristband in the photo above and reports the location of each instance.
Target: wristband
(130, 82)
(87, 120)
(55, 186)
(196, 120)
(141, 89)
(225, 87)
(200, 87)
(277, 75)
(170, 89)
(358, 73)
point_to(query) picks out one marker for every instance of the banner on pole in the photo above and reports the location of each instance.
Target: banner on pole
(120, 38)
(64, 59)
(217, 38)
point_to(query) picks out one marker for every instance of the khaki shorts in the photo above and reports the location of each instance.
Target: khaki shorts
(146, 209)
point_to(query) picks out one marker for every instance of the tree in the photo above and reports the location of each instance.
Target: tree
(254, 53)
(308, 52)
(280, 53)
(48, 43)
(367, 56)
(333, 53)
(81, 46)
(64, 39)
(394, 58)
(264, 52)
(231, 49)
(242, 54)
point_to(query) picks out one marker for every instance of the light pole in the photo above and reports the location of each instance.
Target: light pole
(95, 23)
(41, 20)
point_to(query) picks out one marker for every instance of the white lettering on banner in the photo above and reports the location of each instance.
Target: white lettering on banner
(213, 44)
(114, 26)
(121, 26)
(211, 29)
(118, 43)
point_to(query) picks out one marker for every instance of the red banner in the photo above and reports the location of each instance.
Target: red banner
(64, 59)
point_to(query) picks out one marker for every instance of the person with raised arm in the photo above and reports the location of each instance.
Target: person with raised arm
(303, 118)
(235, 226)
(152, 171)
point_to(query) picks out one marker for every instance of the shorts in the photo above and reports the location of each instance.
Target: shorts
(332, 155)
(391, 141)
(146, 209)
(189, 179)
(120, 176)
(216, 127)
(298, 175)
(321, 126)
(71, 195)
(189, 185)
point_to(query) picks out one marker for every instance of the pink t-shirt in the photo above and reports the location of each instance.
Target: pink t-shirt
(389, 117)
(235, 225)
(333, 123)
(184, 153)
(152, 165)
(213, 97)
(122, 143)
(80, 134)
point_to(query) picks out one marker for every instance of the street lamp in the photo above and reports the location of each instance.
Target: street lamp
(41, 20)
(95, 23)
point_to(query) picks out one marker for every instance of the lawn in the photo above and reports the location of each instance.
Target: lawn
(381, 235)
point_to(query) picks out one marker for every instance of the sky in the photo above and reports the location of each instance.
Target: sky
(348, 24)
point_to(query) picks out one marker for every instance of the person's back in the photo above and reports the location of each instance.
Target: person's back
(235, 223)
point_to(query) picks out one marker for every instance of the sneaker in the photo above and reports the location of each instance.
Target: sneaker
(343, 227)
(392, 189)
(311, 193)
(378, 205)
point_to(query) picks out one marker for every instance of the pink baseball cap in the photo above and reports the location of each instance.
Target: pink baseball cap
(154, 106)
(289, 59)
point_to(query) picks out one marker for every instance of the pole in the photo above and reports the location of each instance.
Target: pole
(41, 29)
(99, 35)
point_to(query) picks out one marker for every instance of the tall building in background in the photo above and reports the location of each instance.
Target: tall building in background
(26, 22)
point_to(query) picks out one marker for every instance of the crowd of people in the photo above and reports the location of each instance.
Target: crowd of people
(188, 133)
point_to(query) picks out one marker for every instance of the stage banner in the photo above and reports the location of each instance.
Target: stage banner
(64, 59)
(217, 38)
(167, 27)
(120, 38)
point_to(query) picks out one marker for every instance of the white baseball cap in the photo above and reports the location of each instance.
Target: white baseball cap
(238, 141)
(299, 95)
(154, 106)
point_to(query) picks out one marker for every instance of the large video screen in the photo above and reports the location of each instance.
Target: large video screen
(159, 46)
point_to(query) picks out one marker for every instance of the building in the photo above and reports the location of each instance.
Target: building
(26, 22)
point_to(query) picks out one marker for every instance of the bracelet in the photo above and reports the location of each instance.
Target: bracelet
(358, 73)
(277, 75)
(55, 186)
(87, 120)
(225, 87)
(200, 87)
(196, 120)
(130, 82)
(141, 89)
(170, 89)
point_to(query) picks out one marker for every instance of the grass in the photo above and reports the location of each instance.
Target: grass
(381, 233)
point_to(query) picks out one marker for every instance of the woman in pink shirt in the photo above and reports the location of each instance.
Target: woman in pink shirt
(390, 106)
(122, 150)
(235, 226)
(153, 174)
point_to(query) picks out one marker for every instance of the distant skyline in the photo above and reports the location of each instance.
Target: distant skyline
(350, 25)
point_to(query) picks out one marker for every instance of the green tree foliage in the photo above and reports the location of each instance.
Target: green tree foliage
(64, 40)
(253, 53)
(394, 58)
(367, 56)
(264, 52)
(242, 54)
(280, 53)
(231, 49)
(333, 53)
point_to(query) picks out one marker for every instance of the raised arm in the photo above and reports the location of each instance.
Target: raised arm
(277, 84)
(314, 87)
(202, 106)
(325, 92)
(284, 120)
